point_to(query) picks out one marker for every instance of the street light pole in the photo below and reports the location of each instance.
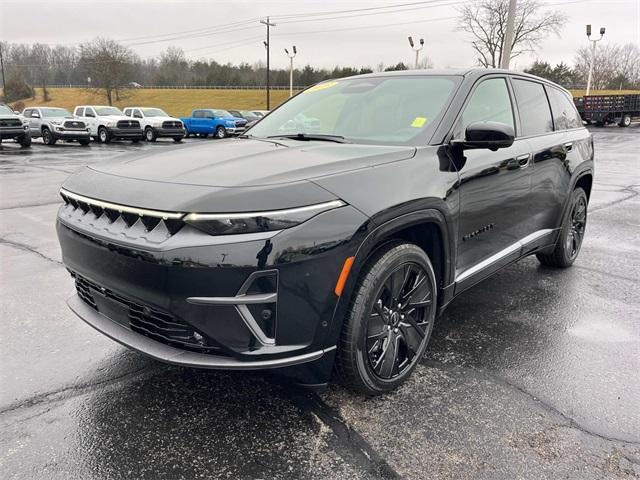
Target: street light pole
(416, 49)
(268, 24)
(508, 35)
(593, 54)
(291, 68)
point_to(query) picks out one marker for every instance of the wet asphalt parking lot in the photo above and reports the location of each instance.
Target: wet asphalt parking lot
(533, 374)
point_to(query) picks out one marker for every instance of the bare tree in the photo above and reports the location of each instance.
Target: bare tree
(108, 64)
(486, 21)
(614, 67)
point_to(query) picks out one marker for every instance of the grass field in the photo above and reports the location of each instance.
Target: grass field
(580, 93)
(175, 102)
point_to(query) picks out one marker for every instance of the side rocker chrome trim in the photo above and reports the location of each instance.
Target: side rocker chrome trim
(478, 267)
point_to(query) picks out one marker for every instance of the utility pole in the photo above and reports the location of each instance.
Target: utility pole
(268, 24)
(416, 49)
(4, 83)
(291, 68)
(593, 54)
(508, 35)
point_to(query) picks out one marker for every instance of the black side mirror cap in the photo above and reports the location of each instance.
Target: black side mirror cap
(491, 135)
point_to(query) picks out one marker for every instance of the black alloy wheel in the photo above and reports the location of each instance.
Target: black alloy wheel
(47, 137)
(390, 320)
(571, 234)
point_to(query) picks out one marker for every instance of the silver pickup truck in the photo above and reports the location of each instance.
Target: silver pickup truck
(13, 126)
(53, 124)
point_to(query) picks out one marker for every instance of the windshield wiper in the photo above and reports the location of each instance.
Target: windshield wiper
(305, 137)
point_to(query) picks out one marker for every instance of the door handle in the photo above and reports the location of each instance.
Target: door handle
(568, 146)
(523, 160)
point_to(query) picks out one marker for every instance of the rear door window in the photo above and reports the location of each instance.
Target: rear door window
(533, 106)
(198, 114)
(565, 115)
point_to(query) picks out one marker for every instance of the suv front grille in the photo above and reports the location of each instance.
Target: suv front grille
(128, 124)
(129, 222)
(74, 124)
(149, 321)
(10, 122)
(172, 124)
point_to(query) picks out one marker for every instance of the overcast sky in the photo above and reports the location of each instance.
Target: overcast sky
(362, 39)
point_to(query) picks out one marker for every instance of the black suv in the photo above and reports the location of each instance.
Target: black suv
(330, 236)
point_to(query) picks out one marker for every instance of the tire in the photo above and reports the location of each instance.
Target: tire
(84, 142)
(365, 360)
(24, 140)
(221, 132)
(177, 139)
(150, 135)
(625, 121)
(47, 137)
(186, 133)
(571, 233)
(103, 135)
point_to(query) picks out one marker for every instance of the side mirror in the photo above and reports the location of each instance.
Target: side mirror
(491, 135)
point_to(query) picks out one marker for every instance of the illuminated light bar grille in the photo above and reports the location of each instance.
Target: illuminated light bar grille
(120, 220)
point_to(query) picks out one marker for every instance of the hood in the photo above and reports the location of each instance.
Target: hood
(159, 119)
(250, 163)
(235, 175)
(118, 117)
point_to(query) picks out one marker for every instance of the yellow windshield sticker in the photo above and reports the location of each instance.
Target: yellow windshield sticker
(321, 86)
(419, 122)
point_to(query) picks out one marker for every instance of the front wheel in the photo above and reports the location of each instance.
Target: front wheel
(150, 135)
(390, 319)
(47, 137)
(571, 233)
(221, 132)
(25, 140)
(103, 135)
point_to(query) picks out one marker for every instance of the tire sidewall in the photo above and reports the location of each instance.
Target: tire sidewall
(46, 136)
(383, 266)
(103, 135)
(221, 132)
(149, 135)
(575, 196)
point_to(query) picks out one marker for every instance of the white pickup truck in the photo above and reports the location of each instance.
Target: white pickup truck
(107, 123)
(156, 123)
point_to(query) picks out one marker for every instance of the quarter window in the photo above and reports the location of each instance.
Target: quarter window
(533, 106)
(565, 115)
(490, 102)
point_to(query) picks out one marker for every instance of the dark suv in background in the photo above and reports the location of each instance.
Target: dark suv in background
(329, 237)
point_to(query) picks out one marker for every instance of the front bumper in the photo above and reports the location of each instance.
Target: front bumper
(190, 299)
(12, 132)
(125, 132)
(71, 134)
(169, 132)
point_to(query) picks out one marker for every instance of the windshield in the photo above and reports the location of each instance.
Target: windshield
(106, 111)
(248, 115)
(5, 110)
(395, 110)
(55, 112)
(154, 112)
(222, 113)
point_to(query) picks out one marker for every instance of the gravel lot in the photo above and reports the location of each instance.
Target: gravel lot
(531, 374)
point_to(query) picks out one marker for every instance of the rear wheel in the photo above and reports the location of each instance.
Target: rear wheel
(47, 137)
(625, 121)
(221, 132)
(571, 233)
(103, 135)
(390, 319)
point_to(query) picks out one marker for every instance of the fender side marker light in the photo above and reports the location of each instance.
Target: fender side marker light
(342, 279)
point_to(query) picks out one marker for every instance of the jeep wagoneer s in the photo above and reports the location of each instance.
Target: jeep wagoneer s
(324, 242)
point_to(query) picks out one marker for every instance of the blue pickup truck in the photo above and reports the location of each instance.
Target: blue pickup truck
(213, 121)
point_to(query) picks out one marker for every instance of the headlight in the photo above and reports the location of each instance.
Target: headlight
(109, 123)
(252, 222)
(230, 123)
(56, 122)
(156, 123)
